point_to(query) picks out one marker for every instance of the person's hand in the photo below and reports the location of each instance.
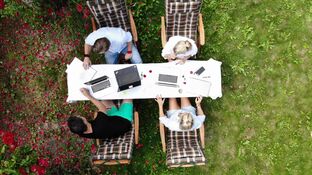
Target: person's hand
(198, 100)
(128, 56)
(170, 57)
(160, 100)
(86, 63)
(180, 61)
(85, 92)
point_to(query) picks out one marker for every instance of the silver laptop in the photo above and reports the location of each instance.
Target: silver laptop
(167, 80)
(101, 86)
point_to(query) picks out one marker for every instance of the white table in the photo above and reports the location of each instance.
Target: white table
(187, 81)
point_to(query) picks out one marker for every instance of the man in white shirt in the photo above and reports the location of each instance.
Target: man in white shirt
(180, 48)
(181, 119)
(112, 41)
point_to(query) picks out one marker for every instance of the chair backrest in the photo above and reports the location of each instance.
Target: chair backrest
(110, 13)
(182, 18)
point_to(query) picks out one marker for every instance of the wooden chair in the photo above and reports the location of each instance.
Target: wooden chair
(112, 13)
(117, 150)
(183, 18)
(183, 147)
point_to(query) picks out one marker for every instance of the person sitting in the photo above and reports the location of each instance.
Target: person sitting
(181, 119)
(110, 41)
(110, 122)
(180, 48)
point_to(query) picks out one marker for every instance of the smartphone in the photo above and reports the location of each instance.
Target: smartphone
(200, 70)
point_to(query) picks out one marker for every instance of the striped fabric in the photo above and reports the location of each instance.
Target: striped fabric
(182, 18)
(110, 13)
(183, 148)
(116, 149)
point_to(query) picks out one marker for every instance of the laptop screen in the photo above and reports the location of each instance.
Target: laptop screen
(168, 78)
(128, 77)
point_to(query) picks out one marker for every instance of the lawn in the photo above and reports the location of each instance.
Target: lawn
(261, 125)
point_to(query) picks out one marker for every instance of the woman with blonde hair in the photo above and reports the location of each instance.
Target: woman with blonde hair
(179, 48)
(181, 118)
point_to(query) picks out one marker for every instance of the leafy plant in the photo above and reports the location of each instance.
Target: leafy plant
(16, 159)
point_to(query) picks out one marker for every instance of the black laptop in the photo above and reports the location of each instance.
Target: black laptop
(127, 78)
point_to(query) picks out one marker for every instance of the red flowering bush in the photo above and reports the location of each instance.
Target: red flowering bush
(18, 159)
(79, 8)
(33, 91)
(2, 4)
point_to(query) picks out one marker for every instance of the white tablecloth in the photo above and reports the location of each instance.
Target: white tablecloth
(189, 86)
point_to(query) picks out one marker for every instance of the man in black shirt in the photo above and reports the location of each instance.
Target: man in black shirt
(110, 122)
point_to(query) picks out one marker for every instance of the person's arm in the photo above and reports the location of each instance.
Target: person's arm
(161, 110)
(160, 102)
(87, 61)
(129, 51)
(198, 106)
(96, 102)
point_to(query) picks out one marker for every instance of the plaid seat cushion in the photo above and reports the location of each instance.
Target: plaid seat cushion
(184, 148)
(116, 148)
(182, 18)
(112, 13)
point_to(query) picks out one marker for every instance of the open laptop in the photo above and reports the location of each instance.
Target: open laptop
(167, 80)
(127, 78)
(101, 86)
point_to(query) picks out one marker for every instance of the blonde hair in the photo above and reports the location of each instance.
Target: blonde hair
(185, 121)
(182, 47)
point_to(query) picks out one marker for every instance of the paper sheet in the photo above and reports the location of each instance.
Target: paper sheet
(200, 86)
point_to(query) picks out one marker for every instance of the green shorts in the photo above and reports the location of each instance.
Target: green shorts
(125, 111)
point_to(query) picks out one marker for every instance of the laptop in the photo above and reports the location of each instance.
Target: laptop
(100, 86)
(127, 78)
(167, 80)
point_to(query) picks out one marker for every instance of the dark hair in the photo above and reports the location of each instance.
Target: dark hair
(101, 45)
(76, 125)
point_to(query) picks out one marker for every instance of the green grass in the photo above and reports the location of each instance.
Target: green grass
(263, 122)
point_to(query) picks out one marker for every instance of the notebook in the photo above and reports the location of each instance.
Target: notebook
(198, 86)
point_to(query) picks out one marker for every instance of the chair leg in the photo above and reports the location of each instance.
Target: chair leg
(93, 24)
(133, 27)
(111, 162)
(201, 30)
(162, 136)
(136, 127)
(163, 32)
(202, 135)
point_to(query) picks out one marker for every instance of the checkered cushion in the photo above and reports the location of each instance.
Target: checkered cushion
(115, 149)
(182, 18)
(110, 13)
(183, 148)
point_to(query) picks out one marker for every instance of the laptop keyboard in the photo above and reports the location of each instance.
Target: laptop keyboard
(168, 78)
(167, 84)
(100, 86)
